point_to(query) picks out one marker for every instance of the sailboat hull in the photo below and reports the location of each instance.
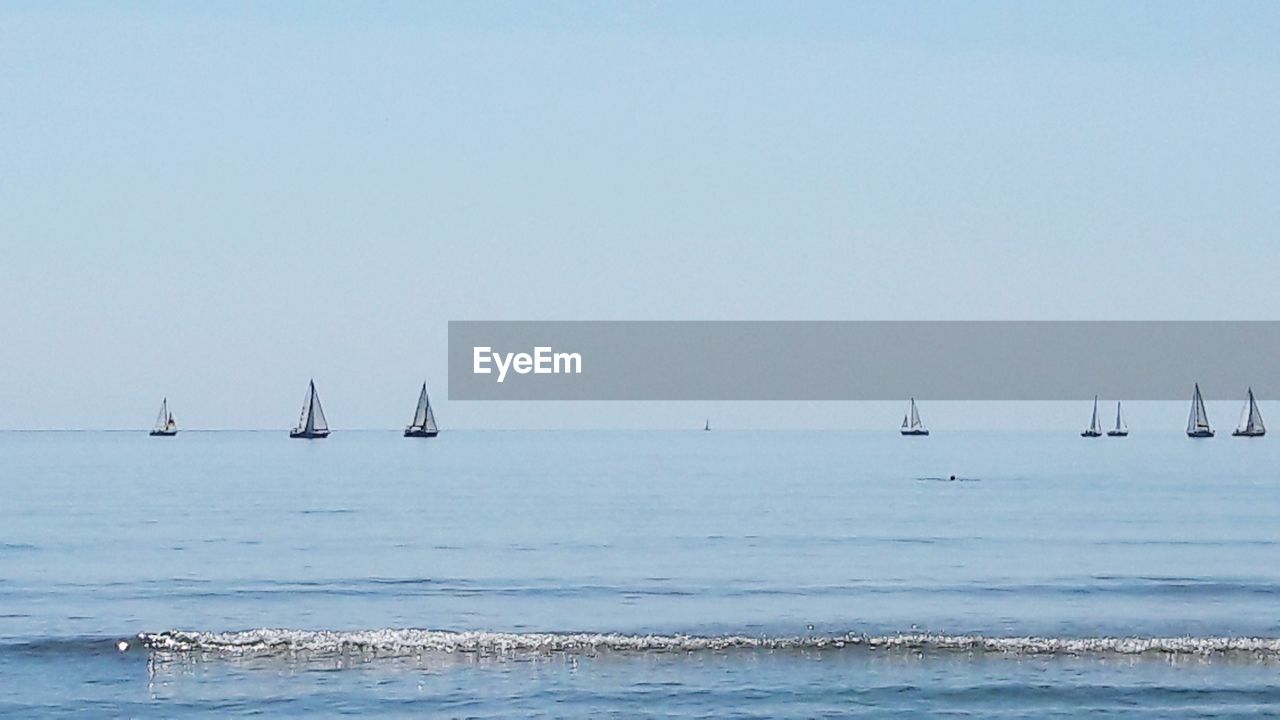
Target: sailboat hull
(1090, 433)
(1117, 433)
(1200, 434)
(410, 432)
(163, 433)
(914, 432)
(309, 434)
(1249, 433)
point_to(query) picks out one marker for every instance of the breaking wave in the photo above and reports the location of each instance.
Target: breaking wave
(391, 643)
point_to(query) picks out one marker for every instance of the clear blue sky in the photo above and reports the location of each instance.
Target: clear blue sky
(217, 202)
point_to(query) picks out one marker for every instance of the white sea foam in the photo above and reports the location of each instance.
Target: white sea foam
(392, 642)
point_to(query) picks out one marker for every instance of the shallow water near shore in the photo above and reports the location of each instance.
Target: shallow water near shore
(638, 573)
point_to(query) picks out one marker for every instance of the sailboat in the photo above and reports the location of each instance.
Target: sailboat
(707, 427)
(911, 424)
(1250, 420)
(165, 426)
(1094, 429)
(1198, 421)
(424, 418)
(311, 424)
(1120, 430)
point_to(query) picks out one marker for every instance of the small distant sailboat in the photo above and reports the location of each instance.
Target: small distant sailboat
(911, 424)
(1094, 429)
(1250, 420)
(311, 424)
(165, 426)
(1120, 430)
(707, 427)
(424, 418)
(1198, 421)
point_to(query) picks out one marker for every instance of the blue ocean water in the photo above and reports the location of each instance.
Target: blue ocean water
(598, 573)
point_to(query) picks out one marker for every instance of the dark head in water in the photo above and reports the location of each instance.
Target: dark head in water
(952, 478)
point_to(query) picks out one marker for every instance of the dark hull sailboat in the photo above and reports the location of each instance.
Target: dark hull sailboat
(1250, 420)
(312, 424)
(1198, 421)
(911, 424)
(165, 426)
(424, 418)
(1120, 430)
(1094, 429)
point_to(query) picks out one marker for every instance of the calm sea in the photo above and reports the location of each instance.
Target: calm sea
(687, 574)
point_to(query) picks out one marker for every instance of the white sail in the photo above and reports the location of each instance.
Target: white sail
(316, 422)
(1255, 415)
(420, 411)
(306, 409)
(312, 418)
(424, 418)
(1094, 427)
(1120, 426)
(162, 420)
(1198, 420)
(911, 423)
(1251, 418)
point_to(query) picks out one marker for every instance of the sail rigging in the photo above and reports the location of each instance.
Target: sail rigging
(1198, 420)
(162, 420)
(1251, 424)
(424, 418)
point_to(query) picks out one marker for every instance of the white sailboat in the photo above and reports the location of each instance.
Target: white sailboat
(1250, 420)
(1198, 420)
(1094, 429)
(311, 424)
(1121, 429)
(911, 424)
(165, 426)
(424, 418)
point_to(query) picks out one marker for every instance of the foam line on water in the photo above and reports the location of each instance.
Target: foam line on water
(392, 642)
